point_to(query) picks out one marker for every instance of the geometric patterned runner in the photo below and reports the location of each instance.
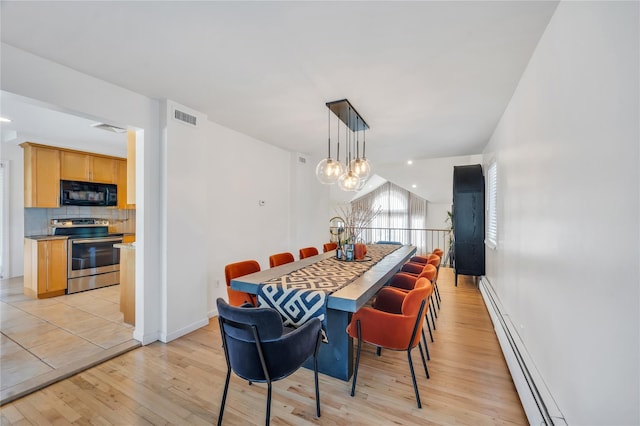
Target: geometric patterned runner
(302, 294)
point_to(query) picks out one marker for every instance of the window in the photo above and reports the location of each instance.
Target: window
(491, 239)
(402, 216)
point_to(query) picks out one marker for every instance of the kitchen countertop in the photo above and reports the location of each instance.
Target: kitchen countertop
(48, 237)
(129, 246)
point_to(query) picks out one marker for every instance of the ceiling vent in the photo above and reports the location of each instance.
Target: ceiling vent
(185, 118)
(109, 128)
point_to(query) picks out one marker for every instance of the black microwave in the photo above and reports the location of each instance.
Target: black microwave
(74, 193)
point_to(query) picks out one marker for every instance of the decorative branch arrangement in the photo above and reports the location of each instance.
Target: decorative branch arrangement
(356, 219)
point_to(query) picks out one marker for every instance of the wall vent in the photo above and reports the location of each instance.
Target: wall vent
(185, 118)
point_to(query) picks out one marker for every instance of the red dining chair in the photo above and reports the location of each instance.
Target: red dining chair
(235, 270)
(392, 323)
(308, 252)
(329, 247)
(280, 259)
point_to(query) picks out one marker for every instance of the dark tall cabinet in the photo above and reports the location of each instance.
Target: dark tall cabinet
(468, 220)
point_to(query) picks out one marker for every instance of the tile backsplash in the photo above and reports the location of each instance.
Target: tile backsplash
(36, 221)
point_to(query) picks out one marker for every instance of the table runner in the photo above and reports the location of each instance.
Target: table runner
(302, 294)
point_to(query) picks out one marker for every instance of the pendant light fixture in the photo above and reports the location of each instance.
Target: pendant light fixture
(356, 170)
(328, 170)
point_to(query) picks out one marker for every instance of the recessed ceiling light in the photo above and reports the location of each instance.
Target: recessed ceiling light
(414, 186)
(4, 120)
(410, 162)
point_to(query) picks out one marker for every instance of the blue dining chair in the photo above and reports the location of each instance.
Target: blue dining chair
(258, 348)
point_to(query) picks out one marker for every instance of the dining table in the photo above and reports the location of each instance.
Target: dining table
(358, 283)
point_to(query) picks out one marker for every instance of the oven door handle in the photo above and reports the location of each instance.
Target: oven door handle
(96, 240)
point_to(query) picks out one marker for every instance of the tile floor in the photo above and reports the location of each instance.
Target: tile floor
(45, 340)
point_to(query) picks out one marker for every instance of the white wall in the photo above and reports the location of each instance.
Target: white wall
(13, 154)
(566, 265)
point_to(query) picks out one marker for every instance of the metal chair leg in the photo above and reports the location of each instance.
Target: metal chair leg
(268, 403)
(413, 377)
(315, 374)
(224, 395)
(424, 338)
(424, 363)
(426, 317)
(432, 320)
(431, 304)
(355, 371)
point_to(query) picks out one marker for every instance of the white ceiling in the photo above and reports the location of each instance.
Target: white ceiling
(430, 78)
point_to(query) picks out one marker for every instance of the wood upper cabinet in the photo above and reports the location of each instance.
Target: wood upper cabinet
(131, 168)
(122, 183)
(41, 176)
(45, 267)
(87, 167)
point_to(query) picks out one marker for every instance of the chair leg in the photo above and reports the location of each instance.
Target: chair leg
(268, 403)
(428, 326)
(424, 362)
(431, 312)
(437, 291)
(424, 338)
(315, 374)
(355, 370)
(224, 395)
(413, 377)
(378, 350)
(432, 304)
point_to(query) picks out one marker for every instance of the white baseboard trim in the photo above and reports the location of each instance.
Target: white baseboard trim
(145, 339)
(536, 399)
(213, 313)
(167, 337)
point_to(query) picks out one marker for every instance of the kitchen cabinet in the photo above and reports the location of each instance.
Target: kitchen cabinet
(131, 168)
(87, 167)
(127, 282)
(122, 183)
(45, 267)
(41, 176)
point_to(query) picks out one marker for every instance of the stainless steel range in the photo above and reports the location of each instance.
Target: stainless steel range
(92, 262)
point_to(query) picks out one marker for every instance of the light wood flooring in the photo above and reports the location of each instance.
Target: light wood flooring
(181, 383)
(44, 340)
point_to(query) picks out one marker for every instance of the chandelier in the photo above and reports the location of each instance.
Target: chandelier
(353, 174)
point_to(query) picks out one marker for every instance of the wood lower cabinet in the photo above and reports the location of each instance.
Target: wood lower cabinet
(41, 176)
(45, 267)
(127, 282)
(87, 167)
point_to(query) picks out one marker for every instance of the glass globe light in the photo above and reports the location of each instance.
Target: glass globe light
(328, 171)
(348, 181)
(361, 168)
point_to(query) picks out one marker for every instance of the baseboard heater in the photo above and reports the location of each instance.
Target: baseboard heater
(536, 399)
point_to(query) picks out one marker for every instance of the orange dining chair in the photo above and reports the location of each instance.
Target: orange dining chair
(407, 282)
(280, 259)
(235, 270)
(329, 247)
(308, 252)
(392, 323)
(413, 267)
